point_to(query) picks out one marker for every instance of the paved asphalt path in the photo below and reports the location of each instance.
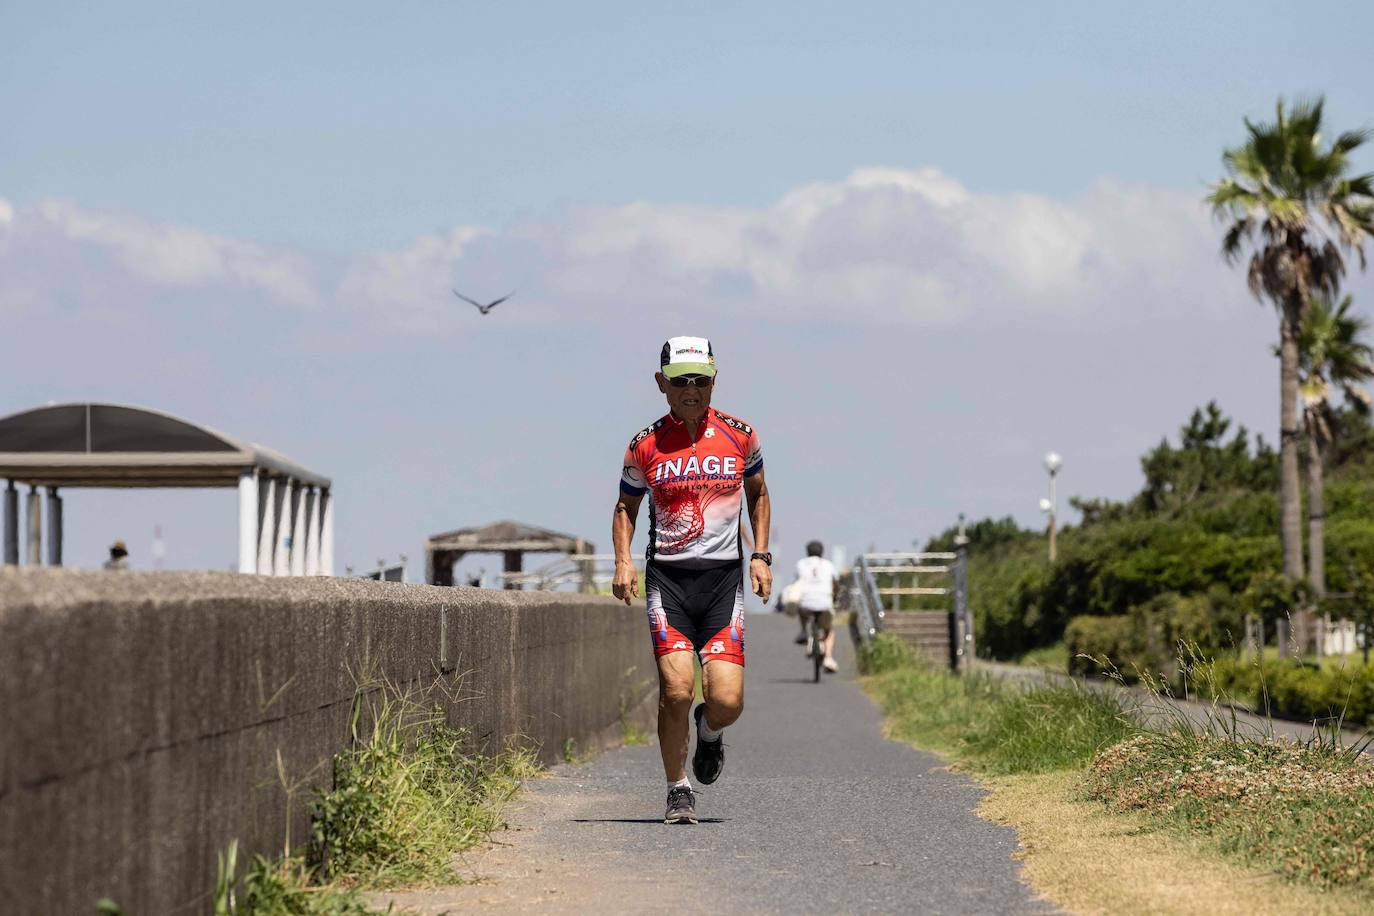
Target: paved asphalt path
(815, 812)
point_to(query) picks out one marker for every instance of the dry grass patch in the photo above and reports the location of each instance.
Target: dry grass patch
(1305, 810)
(1088, 860)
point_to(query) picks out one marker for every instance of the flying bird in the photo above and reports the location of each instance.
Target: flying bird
(480, 307)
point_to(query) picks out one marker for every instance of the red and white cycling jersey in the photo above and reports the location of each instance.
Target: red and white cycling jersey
(695, 487)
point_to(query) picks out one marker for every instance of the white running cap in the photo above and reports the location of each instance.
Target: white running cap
(687, 356)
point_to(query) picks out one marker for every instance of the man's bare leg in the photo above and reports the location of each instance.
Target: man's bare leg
(676, 690)
(722, 686)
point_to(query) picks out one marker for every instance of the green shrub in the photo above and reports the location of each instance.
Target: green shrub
(884, 653)
(1100, 645)
(1295, 690)
(1151, 637)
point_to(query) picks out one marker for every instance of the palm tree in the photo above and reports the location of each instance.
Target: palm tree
(1332, 354)
(1289, 200)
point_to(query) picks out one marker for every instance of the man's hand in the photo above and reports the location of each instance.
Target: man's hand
(625, 585)
(760, 579)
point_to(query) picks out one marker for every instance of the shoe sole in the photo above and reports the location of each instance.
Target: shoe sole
(681, 819)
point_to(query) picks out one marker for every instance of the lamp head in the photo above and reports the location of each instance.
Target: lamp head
(1053, 461)
(1045, 504)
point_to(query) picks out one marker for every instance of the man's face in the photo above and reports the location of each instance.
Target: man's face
(688, 402)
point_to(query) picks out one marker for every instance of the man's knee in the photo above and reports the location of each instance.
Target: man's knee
(725, 710)
(724, 703)
(676, 690)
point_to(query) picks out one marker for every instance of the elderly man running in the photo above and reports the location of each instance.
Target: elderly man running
(696, 462)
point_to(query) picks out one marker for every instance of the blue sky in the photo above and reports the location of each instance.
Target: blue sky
(930, 242)
(350, 124)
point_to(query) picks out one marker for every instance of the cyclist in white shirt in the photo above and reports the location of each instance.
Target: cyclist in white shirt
(819, 585)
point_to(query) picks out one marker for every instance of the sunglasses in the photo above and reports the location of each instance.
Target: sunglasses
(697, 381)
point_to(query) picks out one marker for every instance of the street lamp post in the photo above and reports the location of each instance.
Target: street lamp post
(1050, 506)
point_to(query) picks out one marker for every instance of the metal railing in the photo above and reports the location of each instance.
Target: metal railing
(865, 600)
(584, 572)
(902, 574)
(897, 568)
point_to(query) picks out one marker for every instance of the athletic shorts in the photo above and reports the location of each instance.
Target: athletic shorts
(700, 610)
(825, 621)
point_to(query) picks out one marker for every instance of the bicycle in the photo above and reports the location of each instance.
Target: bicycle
(815, 644)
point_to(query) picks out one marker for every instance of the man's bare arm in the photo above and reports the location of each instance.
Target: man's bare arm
(760, 518)
(625, 585)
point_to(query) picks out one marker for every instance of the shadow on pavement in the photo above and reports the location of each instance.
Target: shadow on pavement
(642, 820)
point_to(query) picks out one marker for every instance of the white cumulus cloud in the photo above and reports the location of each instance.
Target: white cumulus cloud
(45, 245)
(883, 245)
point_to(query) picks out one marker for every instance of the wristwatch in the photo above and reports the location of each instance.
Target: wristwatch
(767, 558)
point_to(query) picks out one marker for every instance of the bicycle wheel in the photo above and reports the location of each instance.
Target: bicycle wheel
(817, 654)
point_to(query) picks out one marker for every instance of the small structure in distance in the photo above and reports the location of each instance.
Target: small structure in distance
(510, 539)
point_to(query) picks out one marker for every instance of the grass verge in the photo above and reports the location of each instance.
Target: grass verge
(1090, 860)
(407, 795)
(1262, 812)
(988, 724)
(1304, 811)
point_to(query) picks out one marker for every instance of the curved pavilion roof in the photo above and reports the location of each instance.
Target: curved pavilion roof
(117, 445)
(499, 537)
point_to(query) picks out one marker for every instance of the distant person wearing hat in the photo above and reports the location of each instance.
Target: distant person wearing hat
(699, 465)
(119, 556)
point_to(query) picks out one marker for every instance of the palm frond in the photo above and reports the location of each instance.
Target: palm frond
(1351, 139)
(1229, 197)
(1358, 399)
(1314, 390)
(1325, 268)
(1255, 275)
(1360, 186)
(1234, 239)
(1333, 352)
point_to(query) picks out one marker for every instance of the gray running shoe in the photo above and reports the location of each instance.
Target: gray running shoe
(682, 806)
(709, 758)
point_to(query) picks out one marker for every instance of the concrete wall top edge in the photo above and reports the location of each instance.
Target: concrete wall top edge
(24, 587)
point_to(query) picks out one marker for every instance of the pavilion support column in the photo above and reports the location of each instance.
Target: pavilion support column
(267, 523)
(248, 521)
(298, 532)
(326, 532)
(35, 541)
(54, 527)
(11, 525)
(512, 565)
(312, 532)
(286, 520)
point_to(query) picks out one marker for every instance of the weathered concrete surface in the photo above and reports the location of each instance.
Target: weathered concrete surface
(141, 715)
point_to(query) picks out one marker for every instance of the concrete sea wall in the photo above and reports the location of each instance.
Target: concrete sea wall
(142, 714)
